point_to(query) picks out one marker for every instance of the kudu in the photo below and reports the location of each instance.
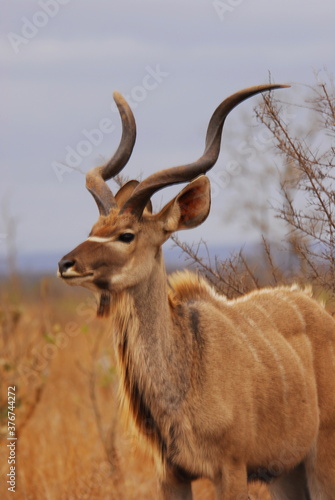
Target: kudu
(231, 390)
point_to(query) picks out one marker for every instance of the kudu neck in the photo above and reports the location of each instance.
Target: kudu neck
(151, 298)
(149, 338)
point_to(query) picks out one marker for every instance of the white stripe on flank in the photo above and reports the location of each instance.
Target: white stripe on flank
(98, 239)
(257, 329)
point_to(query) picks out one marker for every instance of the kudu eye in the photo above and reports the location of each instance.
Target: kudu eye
(126, 237)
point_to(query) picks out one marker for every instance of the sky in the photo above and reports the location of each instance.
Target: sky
(174, 61)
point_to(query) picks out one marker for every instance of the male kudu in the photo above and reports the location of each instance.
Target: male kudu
(232, 390)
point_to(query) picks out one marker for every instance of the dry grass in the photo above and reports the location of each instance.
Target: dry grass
(71, 443)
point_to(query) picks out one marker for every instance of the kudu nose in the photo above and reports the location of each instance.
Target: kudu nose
(65, 264)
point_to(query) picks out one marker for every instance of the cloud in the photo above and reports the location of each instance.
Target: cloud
(60, 83)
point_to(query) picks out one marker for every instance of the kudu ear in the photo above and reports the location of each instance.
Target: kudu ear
(189, 208)
(125, 192)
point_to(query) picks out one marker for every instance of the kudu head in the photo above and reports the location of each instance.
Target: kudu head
(125, 242)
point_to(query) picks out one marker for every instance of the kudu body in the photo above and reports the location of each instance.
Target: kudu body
(232, 390)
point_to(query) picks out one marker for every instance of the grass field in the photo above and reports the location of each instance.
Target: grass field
(71, 443)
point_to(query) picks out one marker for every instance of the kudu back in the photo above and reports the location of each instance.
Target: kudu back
(231, 390)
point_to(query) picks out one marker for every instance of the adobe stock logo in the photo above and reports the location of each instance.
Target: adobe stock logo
(31, 27)
(225, 7)
(75, 154)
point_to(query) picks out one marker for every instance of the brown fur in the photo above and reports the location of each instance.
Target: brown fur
(226, 389)
(278, 341)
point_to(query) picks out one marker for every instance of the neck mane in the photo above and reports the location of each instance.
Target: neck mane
(154, 348)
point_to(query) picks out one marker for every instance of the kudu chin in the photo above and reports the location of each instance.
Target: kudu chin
(231, 390)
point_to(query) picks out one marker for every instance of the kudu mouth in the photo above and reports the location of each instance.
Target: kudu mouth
(67, 272)
(73, 273)
(73, 277)
(78, 267)
(88, 280)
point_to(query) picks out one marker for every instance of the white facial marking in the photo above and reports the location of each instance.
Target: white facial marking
(98, 239)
